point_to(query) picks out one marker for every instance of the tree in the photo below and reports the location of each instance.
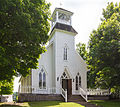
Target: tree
(6, 87)
(81, 49)
(104, 50)
(24, 27)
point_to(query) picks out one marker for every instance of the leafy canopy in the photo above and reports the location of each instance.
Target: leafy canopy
(104, 50)
(81, 49)
(24, 27)
(6, 87)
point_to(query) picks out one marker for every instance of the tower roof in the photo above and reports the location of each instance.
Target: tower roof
(64, 27)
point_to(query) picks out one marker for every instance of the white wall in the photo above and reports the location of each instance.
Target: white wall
(46, 61)
(54, 65)
(74, 64)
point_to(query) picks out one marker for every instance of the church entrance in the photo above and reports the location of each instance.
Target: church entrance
(67, 84)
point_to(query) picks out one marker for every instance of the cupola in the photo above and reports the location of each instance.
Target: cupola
(62, 20)
(61, 15)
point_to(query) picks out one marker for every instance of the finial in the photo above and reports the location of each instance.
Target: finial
(61, 4)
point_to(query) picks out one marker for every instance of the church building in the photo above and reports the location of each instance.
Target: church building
(61, 70)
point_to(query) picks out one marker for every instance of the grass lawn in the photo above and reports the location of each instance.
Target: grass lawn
(110, 103)
(42, 104)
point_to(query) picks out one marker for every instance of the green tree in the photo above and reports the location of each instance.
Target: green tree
(104, 50)
(6, 87)
(24, 27)
(81, 49)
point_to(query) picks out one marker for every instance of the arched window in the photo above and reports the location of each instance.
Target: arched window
(42, 79)
(65, 53)
(78, 81)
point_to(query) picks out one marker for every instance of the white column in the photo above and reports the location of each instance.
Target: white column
(70, 20)
(57, 16)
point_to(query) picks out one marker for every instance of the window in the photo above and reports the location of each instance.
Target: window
(42, 79)
(78, 81)
(63, 16)
(65, 53)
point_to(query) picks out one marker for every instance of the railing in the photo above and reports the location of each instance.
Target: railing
(37, 90)
(98, 92)
(64, 94)
(26, 89)
(52, 90)
(83, 93)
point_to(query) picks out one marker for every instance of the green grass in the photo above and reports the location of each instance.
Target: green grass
(103, 103)
(43, 104)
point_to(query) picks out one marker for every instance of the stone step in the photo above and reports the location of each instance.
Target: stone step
(75, 98)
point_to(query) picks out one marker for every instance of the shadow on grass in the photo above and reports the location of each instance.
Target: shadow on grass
(106, 103)
(44, 103)
(12, 105)
(53, 104)
(9, 105)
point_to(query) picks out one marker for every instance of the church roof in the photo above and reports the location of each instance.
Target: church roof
(65, 27)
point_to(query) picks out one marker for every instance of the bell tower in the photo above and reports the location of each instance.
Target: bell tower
(62, 20)
(63, 44)
(62, 16)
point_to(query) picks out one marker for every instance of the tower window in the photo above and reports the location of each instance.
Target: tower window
(42, 79)
(65, 53)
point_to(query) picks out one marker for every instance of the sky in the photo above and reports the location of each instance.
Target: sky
(86, 18)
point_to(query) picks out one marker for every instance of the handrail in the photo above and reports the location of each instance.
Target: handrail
(98, 91)
(64, 94)
(83, 93)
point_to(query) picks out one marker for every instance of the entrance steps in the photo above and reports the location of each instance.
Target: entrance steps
(78, 99)
(75, 98)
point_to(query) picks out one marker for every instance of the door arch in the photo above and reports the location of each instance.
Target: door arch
(66, 82)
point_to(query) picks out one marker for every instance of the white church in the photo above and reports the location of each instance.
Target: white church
(61, 70)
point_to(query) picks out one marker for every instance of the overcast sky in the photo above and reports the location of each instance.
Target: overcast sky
(87, 14)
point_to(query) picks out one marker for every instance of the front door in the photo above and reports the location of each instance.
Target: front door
(69, 89)
(64, 84)
(67, 84)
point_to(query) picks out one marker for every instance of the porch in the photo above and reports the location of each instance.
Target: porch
(36, 91)
(90, 94)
